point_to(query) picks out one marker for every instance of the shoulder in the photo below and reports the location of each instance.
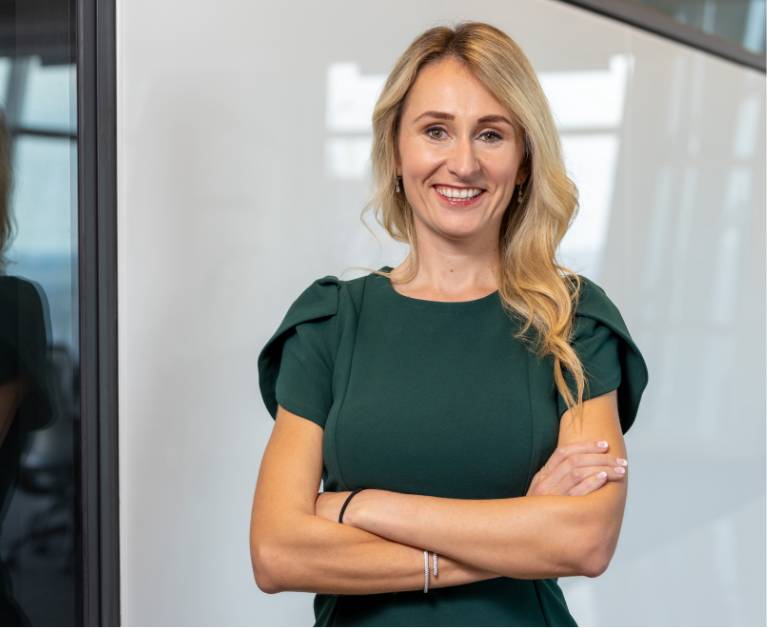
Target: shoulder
(592, 297)
(593, 305)
(607, 349)
(26, 296)
(325, 296)
(312, 323)
(318, 299)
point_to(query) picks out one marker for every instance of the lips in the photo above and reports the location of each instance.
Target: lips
(459, 202)
(458, 187)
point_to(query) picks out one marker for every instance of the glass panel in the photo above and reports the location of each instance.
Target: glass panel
(5, 69)
(40, 564)
(740, 21)
(46, 98)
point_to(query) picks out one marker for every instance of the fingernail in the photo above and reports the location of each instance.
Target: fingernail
(602, 443)
(620, 469)
(622, 461)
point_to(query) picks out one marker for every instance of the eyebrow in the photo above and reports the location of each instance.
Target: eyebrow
(449, 116)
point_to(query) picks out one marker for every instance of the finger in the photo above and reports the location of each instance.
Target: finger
(567, 466)
(596, 460)
(563, 452)
(589, 484)
(613, 473)
(567, 481)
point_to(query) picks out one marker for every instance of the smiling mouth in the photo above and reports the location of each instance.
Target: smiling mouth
(459, 201)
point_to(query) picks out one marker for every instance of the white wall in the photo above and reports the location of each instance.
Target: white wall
(243, 135)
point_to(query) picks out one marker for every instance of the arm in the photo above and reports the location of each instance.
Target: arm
(292, 549)
(522, 537)
(12, 393)
(323, 557)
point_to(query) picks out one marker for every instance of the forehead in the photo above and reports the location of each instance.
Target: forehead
(448, 85)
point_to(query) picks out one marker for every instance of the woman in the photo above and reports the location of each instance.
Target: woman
(26, 390)
(466, 390)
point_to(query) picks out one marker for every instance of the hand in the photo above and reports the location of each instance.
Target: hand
(573, 470)
(328, 504)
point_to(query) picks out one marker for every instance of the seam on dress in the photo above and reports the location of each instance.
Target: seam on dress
(540, 603)
(532, 411)
(339, 414)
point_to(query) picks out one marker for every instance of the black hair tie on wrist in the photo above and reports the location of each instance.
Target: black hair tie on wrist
(346, 503)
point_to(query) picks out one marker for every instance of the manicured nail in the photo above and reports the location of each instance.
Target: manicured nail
(602, 475)
(620, 470)
(602, 443)
(622, 461)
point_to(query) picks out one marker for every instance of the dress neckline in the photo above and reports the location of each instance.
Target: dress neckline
(390, 287)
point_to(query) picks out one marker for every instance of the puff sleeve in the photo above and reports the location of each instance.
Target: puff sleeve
(296, 365)
(610, 357)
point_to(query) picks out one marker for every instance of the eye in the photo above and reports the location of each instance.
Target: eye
(497, 136)
(433, 128)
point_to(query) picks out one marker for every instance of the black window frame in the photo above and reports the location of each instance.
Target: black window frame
(97, 251)
(654, 21)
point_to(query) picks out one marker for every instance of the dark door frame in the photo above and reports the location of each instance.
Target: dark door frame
(654, 21)
(97, 233)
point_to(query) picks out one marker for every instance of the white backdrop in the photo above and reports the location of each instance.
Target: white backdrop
(243, 138)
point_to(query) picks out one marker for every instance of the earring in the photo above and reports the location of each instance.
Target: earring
(398, 186)
(519, 194)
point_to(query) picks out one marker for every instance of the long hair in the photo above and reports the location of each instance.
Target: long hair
(532, 284)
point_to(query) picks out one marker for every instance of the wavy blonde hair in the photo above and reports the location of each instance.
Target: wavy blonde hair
(532, 284)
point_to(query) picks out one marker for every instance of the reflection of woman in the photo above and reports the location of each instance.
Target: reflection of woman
(465, 390)
(25, 400)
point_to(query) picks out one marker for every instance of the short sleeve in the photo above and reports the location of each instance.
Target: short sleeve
(611, 359)
(25, 351)
(296, 364)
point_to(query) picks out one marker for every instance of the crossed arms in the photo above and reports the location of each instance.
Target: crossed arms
(379, 548)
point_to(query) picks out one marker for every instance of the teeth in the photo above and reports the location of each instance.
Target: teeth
(454, 193)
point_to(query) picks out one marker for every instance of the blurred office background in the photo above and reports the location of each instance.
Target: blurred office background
(243, 135)
(40, 557)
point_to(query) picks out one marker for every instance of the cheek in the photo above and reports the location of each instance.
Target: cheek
(418, 157)
(503, 178)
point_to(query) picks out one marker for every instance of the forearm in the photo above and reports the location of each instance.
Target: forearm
(320, 556)
(527, 537)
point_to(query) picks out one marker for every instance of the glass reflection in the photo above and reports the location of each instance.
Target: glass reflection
(739, 21)
(40, 570)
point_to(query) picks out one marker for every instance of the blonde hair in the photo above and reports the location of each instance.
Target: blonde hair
(532, 284)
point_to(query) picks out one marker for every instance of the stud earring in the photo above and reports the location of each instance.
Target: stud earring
(519, 194)
(398, 186)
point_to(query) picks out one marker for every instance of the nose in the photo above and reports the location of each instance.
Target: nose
(462, 162)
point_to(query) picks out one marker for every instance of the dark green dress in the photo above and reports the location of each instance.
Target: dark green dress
(437, 398)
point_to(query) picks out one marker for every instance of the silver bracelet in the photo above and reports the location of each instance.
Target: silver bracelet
(426, 569)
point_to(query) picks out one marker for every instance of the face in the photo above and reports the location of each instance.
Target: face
(454, 134)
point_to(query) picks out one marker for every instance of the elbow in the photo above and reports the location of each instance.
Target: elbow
(262, 560)
(594, 566)
(597, 554)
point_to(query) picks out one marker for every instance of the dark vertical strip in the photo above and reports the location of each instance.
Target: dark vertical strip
(654, 21)
(97, 191)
